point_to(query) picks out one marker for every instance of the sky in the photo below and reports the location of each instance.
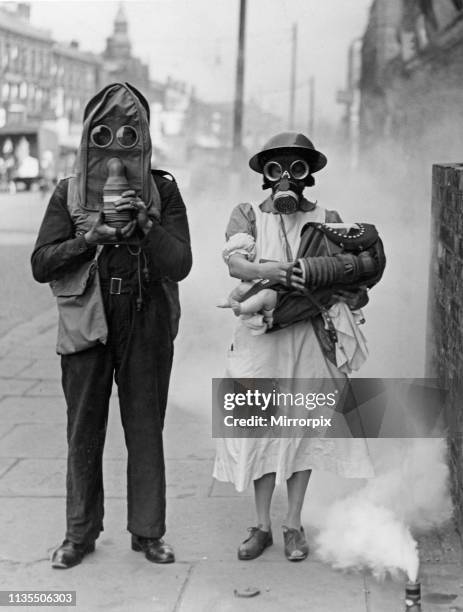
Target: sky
(196, 40)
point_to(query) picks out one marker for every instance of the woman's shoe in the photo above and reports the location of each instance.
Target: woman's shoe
(255, 544)
(296, 547)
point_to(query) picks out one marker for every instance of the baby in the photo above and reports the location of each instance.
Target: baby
(350, 349)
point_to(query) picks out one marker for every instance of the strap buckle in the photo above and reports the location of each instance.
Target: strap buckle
(115, 286)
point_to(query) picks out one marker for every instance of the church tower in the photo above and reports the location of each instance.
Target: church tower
(118, 45)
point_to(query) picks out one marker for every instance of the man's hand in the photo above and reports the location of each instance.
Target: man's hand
(130, 201)
(101, 233)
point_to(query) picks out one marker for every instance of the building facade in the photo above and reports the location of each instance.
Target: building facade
(411, 89)
(39, 78)
(44, 86)
(25, 59)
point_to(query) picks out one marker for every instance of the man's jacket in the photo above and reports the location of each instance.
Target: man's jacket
(62, 257)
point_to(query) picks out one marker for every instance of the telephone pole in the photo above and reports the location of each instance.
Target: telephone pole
(239, 87)
(292, 92)
(311, 106)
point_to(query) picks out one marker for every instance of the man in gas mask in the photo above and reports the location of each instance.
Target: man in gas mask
(113, 244)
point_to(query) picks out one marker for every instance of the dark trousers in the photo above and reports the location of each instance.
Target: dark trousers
(139, 357)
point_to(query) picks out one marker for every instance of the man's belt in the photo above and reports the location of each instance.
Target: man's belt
(120, 286)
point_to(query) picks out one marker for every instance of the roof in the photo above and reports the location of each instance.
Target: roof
(23, 28)
(74, 53)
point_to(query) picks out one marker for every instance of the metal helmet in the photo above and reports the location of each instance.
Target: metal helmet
(289, 141)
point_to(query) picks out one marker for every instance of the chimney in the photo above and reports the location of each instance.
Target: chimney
(23, 10)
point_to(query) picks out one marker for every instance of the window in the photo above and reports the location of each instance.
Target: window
(23, 90)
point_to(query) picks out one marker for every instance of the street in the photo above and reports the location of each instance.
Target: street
(206, 519)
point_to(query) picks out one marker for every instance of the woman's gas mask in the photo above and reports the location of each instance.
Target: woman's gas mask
(287, 176)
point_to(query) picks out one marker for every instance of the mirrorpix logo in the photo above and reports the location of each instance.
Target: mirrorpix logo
(260, 404)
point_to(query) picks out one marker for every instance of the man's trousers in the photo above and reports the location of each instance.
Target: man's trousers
(139, 356)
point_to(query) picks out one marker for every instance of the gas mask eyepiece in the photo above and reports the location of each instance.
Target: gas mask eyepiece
(298, 170)
(102, 136)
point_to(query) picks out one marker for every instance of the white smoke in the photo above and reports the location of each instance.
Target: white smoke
(371, 527)
(360, 534)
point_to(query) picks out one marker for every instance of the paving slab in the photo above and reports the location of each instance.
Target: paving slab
(187, 479)
(6, 428)
(29, 529)
(32, 410)
(128, 584)
(35, 477)
(14, 386)
(305, 587)
(34, 440)
(47, 339)
(44, 387)
(42, 369)
(6, 465)
(441, 582)
(11, 366)
(113, 578)
(47, 478)
(16, 341)
(189, 442)
(213, 528)
(386, 595)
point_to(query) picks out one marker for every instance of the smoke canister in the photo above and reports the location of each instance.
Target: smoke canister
(413, 597)
(115, 185)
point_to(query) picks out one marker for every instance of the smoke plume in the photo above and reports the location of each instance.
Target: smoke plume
(371, 527)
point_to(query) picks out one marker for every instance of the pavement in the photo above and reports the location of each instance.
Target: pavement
(206, 519)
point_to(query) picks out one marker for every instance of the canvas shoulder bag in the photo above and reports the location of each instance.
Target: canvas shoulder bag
(82, 320)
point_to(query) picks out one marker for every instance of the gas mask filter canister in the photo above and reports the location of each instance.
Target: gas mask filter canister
(287, 184)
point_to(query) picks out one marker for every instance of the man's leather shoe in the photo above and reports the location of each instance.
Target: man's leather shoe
(70, 554)
(155, 549)
(255, 544)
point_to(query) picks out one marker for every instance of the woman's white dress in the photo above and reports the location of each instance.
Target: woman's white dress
(292, 352)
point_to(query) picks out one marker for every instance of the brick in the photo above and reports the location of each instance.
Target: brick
(446, 320)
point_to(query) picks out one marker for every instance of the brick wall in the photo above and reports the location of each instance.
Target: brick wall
(445, 313)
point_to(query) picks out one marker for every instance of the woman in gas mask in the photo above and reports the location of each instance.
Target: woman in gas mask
(284, 244)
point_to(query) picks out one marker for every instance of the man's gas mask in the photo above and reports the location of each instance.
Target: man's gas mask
(115, 151)
(287, 175)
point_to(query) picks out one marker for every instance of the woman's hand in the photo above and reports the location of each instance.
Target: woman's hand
(275, 271)
(297, 278)
(287, 274)
(130, 201)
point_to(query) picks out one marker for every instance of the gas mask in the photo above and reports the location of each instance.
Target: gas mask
(115, 151)
(287, 180)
